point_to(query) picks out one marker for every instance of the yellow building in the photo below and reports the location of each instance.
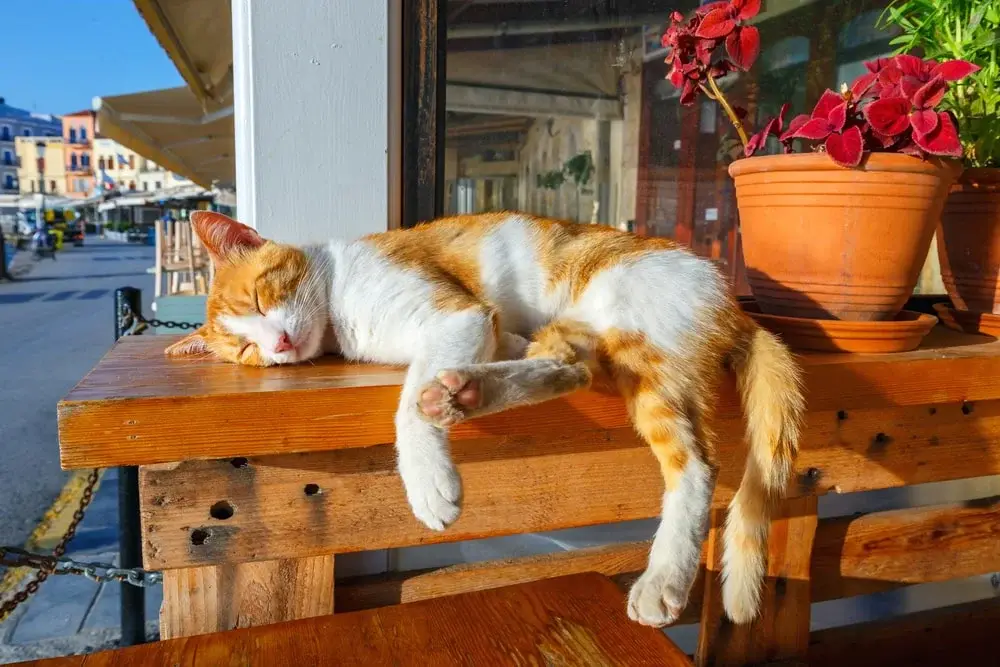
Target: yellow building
(121, 164)
(52, 181)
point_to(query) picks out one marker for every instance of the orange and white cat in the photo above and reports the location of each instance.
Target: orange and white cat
(505, 309)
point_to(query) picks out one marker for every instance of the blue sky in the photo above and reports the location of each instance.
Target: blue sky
(90, 47)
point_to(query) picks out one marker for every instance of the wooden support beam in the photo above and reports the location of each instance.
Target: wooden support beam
(852, 555)
(781, 632)
(213, 598)
(359, 502)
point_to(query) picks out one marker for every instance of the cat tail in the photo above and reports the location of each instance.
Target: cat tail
(769, 381)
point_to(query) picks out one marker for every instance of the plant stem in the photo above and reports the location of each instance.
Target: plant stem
(721, 99)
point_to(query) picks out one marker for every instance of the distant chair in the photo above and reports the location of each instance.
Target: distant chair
(182, 263)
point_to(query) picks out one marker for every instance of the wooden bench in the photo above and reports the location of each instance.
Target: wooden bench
(573, 620)
(253, 479)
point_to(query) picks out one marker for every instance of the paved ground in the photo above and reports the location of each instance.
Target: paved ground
(56, 321)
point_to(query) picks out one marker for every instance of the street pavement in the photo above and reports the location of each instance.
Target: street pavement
(56, 322)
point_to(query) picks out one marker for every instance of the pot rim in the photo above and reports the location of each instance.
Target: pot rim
(872, 162)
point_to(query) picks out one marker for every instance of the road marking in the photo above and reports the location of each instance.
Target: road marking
(93, 294)
(60, 296)
(51, 527)
(19, 297)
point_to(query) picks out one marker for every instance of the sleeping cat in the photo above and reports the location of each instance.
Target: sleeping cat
(504, 309)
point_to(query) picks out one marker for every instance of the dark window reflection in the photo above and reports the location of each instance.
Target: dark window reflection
(561, 109)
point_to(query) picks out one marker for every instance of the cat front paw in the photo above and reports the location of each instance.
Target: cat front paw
(655, 600)
(434, 491)
(447, 399)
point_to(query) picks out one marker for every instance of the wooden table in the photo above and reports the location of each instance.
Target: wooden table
(573, 620)
(252, 479)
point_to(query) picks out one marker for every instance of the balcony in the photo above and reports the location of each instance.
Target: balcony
(79, 168)
(11, 162)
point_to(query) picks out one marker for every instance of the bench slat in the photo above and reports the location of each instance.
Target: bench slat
(578, 620)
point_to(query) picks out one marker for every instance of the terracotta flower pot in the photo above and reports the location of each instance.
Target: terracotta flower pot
(968, 241)
(825, 242)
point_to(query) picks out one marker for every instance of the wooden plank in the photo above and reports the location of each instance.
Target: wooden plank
(520, 484)
(574, 620)
(781, 632)
(215, 598)
(957, 635)
(861, 555)
(850, 557)
(138, 407)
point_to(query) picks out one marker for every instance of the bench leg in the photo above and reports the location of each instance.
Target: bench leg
(781, 631)
(215, 598)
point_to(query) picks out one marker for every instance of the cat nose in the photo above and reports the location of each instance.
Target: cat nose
(284, 344)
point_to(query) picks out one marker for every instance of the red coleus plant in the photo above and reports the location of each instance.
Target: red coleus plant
(890, 108)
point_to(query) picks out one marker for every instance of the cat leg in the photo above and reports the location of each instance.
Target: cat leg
(497, 386)
(680, 445)
(554, 367)
(433, 487)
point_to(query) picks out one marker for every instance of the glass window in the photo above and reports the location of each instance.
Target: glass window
(571, 116)
(5, 133)
(8, 182)
(52, 186)
(72, 135)
(131, 161)
(159, 185)
(26, 132)
(83, 133)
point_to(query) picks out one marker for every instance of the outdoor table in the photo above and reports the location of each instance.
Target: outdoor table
(252, 480)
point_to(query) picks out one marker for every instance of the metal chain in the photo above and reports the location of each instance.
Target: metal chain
(136, 319)
(48, 565)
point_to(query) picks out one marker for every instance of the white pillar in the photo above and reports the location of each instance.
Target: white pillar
(311, 79)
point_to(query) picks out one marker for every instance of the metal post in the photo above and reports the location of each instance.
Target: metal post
(133, 600)
(4, 274)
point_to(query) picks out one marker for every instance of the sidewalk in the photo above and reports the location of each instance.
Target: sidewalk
(72, 614)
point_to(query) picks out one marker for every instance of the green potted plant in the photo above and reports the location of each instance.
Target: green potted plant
(968, 236)
(838, 232)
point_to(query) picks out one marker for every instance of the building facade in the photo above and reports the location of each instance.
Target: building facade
(79, 132)
(49, 176)
(15, 122)
(121, 168)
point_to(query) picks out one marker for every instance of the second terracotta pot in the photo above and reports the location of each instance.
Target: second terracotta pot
(825, 242)
(968, 241)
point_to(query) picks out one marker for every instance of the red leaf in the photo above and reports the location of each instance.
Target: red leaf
(909, 65)
(716, 24)
(909, 85)
(862, 85)
(954, 70)
(889, 116)
(711, 7)
(923, 121)
(846, 149)
(794, 127)
(747, 8)
(676, 77)
(827, 102)
(743, 46)
(814, 128)
(838, 117)
(943, 140)
(930, 94)
(688, 93)
(877, 65)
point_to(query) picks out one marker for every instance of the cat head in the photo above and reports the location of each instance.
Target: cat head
(265, 306)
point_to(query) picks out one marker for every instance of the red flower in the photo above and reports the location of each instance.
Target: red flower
(771, 128)
(829, 121)
(725, 20)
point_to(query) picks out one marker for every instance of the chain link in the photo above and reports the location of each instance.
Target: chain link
(48, 565)
(134, 323)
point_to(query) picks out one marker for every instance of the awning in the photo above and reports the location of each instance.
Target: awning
(158, 197)
(198, 37)
(176, 130)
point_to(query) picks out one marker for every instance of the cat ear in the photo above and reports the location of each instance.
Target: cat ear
(193, 343)
(222, 236)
